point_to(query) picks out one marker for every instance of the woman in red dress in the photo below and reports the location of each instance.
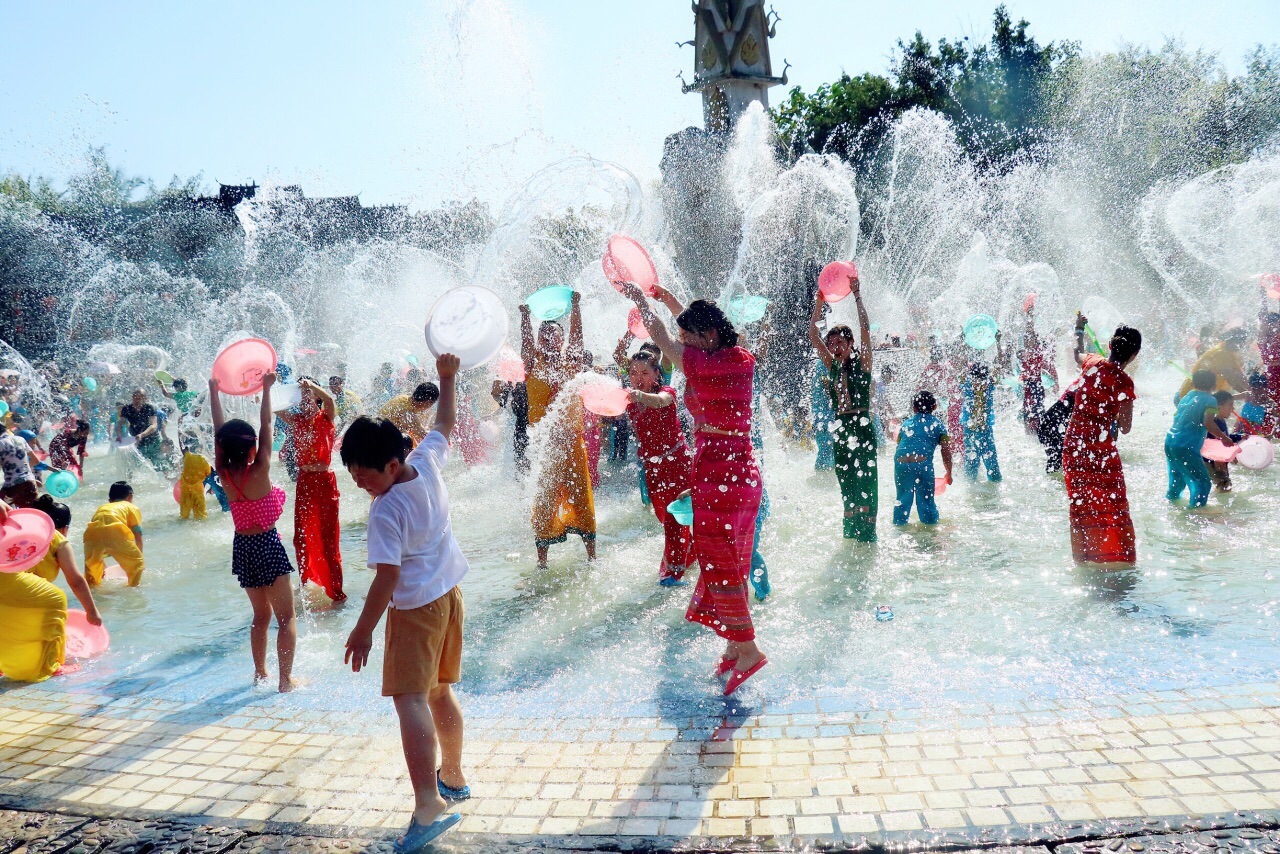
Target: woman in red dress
(316, 531)
(726, 485)
(1101, 528)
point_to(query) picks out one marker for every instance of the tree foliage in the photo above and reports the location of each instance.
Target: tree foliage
(994, 93)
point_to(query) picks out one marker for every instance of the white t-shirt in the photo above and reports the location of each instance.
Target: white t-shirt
(15, 459)
(409, 527)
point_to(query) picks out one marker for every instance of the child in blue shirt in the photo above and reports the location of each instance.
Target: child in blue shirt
(1253, 420)
(913, 461)
(978, 414)
(1191, 422)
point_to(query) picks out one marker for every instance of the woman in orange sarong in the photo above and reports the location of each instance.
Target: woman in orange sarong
(1101, 528)
(562, 503)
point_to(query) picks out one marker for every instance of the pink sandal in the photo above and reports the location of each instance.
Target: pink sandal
(739, 676)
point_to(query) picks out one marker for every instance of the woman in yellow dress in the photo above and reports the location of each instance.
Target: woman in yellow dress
(33, 611)
(562, 503)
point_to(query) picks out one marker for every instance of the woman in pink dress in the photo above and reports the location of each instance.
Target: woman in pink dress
(726, 479)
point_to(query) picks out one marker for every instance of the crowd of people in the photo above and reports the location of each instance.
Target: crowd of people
(699, 468)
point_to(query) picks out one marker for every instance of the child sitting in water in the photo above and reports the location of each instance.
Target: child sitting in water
(913, 461)
(195, 468)
(258, 558)
(979, 417)
(1192, 420)
(419, 567)
(668, 464)
(115, 531)
(33, 610)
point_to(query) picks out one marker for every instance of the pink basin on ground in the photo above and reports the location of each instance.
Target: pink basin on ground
(84, 640)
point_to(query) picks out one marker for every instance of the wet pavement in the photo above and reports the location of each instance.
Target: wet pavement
(48, 833)
(1042, 773)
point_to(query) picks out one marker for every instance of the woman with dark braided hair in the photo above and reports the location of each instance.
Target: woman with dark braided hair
(726, 481)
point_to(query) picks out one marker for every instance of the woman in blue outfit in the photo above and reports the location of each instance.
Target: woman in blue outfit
(979, 417)
(913, 462)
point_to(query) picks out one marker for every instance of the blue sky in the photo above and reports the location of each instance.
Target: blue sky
(419, 102)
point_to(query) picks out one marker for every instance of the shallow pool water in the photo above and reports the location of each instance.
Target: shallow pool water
(990, 609)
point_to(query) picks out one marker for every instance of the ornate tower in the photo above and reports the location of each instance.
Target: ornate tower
(731, 63)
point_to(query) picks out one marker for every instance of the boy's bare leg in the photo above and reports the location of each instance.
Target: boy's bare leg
(447, 714)
(418, 737)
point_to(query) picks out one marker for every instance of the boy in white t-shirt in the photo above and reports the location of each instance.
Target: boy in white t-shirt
(419, 566)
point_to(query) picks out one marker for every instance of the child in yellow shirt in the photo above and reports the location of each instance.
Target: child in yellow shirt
(195, 468)
(114, 531)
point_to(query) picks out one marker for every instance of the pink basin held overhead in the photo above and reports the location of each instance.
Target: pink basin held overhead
(240, 367)
(636, 325)
(626, 261)
(833, 281)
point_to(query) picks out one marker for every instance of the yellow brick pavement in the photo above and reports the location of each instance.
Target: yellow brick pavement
(752, 778)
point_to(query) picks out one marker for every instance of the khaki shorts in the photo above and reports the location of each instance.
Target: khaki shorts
(423, 646)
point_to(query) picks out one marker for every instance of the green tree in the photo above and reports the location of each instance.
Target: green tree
(995, 94)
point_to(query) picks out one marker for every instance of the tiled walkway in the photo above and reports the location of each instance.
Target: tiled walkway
(1016, 774)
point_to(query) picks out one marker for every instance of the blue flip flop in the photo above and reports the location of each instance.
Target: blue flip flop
(449, 793)
(672, 581)
(418, 836)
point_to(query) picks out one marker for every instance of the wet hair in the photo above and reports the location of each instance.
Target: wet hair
(1224, 397)
(190, 443)
(648, 360)
(1238, 335)
(1125, 344)
(179, 385)
(306, 377)
(650, 347)
(18, 418)
(372, 444)
(120, 491)
(136, 392)
(1258, 380)
(703, 315)
(426, 393)
(924, 402)
(337, 380)
(55, 510)
(233, 443)
(978, 370)
(840, 329)
(588, 358)
(82, 425)
(1204, 379)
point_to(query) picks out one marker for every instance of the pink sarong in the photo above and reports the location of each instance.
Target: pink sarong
(726, 499)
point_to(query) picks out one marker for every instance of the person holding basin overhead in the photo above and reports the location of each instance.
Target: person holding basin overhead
(563, 503)
(726, 483)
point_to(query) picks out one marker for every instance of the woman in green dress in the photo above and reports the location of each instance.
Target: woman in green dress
(848, 364)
